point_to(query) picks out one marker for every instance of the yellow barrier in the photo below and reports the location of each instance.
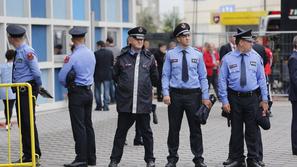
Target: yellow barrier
(30, 96)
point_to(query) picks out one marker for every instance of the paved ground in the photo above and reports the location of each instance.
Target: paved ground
(58, 147)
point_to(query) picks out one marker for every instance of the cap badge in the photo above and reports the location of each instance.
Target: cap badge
(183, 25)
(140, 29)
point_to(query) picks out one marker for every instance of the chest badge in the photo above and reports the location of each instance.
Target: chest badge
(232, 66)
(194, 60)
(173, 60)
(253, 63)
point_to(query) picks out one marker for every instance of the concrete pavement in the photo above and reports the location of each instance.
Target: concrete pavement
(57, 144)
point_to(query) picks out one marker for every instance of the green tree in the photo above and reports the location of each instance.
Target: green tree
(170, 20)
(146, 20)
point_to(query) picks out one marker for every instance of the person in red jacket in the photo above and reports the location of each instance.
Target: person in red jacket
(212, 61)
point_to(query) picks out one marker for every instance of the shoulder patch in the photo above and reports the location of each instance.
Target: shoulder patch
(30, 56)
(66, 59)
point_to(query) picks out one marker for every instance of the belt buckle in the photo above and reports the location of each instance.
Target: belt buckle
(238, 94)
(22, 89)
(251, 93)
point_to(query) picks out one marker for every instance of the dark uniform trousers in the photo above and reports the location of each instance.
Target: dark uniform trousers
(243, 110)
(190, 103)
(80, 110)
(125, 121)
(294, 127)
(24, 119)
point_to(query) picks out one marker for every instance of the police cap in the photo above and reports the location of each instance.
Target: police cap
(245, 35)
(137, 32)
(15, 31)
(78, 31)
(181, 29)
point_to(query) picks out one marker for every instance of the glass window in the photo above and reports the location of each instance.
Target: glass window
(60, 40)
(38, 8)
(45, 83)
(98, 34)
(15, 8)
(39, 41)
(60, 9)
(125, 36)
(60, 90)
(78, 9)
(96, 8)
(113, 10)
(125, 10)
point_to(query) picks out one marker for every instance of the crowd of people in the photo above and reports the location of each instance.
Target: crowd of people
(182, 75)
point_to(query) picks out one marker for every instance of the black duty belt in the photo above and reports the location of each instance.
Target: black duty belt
(82, 87)
(256, 92)
(185, 91)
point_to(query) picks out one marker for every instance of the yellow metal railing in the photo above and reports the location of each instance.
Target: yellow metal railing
(17, 87)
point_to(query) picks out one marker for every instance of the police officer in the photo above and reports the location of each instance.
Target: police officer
(25, 69)
(241, 80)
(82, 62)
(292, 64)
(185, 86)
(135, 72)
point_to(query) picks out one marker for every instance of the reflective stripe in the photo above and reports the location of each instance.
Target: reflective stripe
(135, 87)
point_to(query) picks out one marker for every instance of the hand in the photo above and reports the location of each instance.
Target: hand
(166, 100)
(227, 108)
(264, 106)
(207, 103)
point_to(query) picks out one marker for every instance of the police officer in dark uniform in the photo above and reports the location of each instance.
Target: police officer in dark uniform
(239, 95)
(82, 64)
(135, 72)
(185, 86)
(292, 64)
(25, 69)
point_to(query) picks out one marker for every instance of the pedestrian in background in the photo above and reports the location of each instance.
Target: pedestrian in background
(25, 69)
(6, 77)
(160, 58)
(292, 64)
(241, 82)
(116, 52)
(135, 72)
(185, 87)
(82, 63)
(103, 76)
(212, 62)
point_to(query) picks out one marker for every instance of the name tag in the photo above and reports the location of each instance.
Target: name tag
(232, 66)
(194, 60)
(173, 60)
(128, 65)
(253, 63)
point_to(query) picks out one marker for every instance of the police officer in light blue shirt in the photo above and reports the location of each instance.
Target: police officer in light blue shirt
(185, 87)
(81, 64)
(25, 69)
(241, 81)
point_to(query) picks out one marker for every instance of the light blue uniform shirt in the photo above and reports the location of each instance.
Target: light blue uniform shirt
(229, 76)
(172, 71)
(82, 61)
(6, 77)
(26, 65)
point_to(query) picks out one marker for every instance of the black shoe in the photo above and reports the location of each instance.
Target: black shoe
(76, 164)
(150, 164)
(170, 164)
(113, 164)
(105, 109)
(228, 161)
(200, 164)
(236, 163)
(98, 109)
(261, 163)
(294, 152)
(138, 143)
(252, 163)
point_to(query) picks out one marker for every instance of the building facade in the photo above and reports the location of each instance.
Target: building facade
(48, 22)
(211, 16)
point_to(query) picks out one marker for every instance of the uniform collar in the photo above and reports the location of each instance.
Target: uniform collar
(237, 52)
(133, 52)
(79, 46)
(21, 47)
(179, 48)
